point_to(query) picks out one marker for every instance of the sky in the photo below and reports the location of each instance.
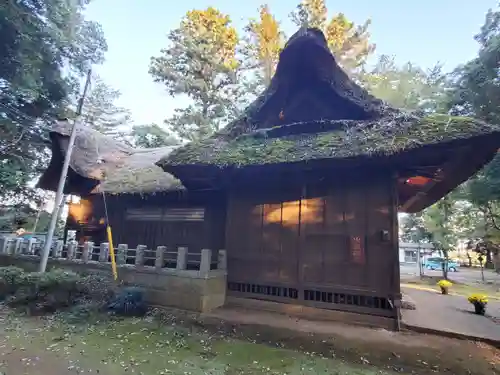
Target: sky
(424, 32)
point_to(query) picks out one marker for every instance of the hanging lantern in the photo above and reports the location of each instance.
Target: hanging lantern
(418, 180)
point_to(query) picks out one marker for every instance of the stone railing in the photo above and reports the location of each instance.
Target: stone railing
(141, 256)
(177, 278)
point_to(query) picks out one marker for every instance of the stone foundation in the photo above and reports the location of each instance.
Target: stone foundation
(200, 291)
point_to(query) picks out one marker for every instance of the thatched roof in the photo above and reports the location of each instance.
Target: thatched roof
(313, 111)
(336, 140)
(113, 166)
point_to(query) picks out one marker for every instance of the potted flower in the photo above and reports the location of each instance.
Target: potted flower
(479, 301)
(444, 285)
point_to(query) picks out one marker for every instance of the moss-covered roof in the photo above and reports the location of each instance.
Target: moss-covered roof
(337, 140)
(311, 110)
(115, 166)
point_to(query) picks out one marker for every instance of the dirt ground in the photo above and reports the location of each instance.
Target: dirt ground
(172, 342)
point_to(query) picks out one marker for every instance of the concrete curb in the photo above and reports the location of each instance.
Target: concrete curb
(449, 334)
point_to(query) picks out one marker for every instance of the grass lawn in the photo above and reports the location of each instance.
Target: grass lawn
(37, 346)
(175, 344)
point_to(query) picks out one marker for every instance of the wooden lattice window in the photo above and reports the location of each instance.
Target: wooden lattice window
(168, 214)
(184, 214)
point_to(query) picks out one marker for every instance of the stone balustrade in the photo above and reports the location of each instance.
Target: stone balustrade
(141, 256)
(171, 277)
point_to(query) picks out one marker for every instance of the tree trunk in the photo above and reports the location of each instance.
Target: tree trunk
(496, 261)
(444, 265)
(445, 272)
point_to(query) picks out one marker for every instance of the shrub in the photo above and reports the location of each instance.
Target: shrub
(10, 278)
(57, 288)
(129, 302)
(479, 301)
(46, 291)
(478, 298)
(444, 284)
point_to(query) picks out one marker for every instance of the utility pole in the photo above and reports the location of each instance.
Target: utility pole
(62, 179)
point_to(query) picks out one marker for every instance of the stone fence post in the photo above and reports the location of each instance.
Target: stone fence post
(4, 245)
(88, 247)
(182, 258)
(71, 251)
(160, 256)
(31, 246)
(206, 260)
(103, 252)
(11, 247)
(57, 250)
(139, 255)
(121, 253)
(222, 260)
(18, 245)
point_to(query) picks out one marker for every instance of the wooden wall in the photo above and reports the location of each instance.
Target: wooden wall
(317, 246)
(196, 221)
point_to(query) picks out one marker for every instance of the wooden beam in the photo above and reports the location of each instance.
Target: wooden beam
(438, 177)
(464, 163)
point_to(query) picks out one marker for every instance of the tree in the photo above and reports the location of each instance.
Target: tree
(100, 111)
(475, 92)
(201, 64)
(407, 86)
(262, 46)
(413, 229)
(310, 13)
(152, 136)
(44, 46)
(438, 221)
(25, 216)
(348, 42)
(476, 89)
(482, 192)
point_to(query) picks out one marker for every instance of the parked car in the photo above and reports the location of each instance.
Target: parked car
(436, 263)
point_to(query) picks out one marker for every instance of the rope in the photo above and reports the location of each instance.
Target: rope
(108, 226)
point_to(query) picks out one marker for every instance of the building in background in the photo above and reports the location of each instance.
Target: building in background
(408, 252)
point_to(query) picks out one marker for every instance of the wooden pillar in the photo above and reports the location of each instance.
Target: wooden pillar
(394, 236)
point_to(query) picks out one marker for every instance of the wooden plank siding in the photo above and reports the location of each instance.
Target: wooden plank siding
(195, 222)
(329, 247)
